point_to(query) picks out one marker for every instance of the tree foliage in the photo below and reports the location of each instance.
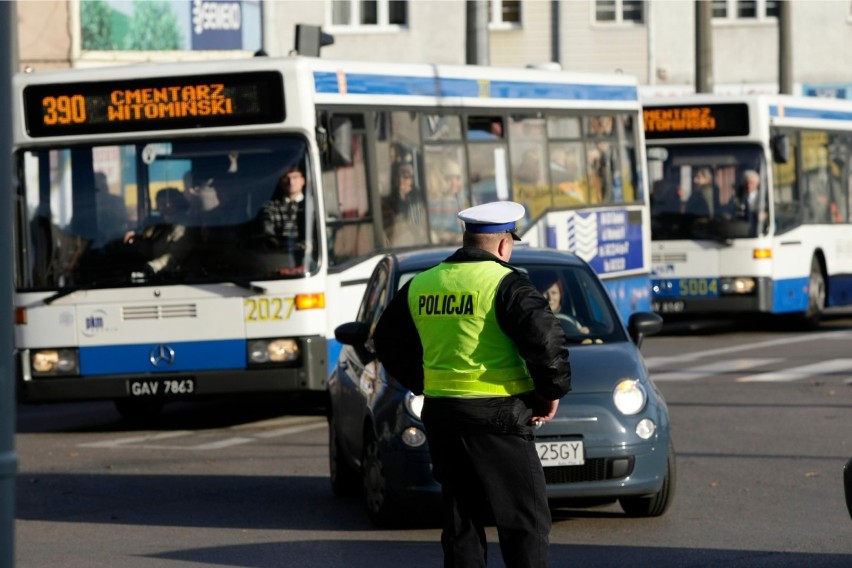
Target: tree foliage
(154, 27)
(95, 19)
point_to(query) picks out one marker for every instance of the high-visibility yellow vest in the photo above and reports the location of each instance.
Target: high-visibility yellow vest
(465, 353)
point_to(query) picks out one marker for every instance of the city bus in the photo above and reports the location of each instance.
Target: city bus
(750, 205)
(197, 230)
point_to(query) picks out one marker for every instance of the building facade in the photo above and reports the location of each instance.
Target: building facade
(651, 39)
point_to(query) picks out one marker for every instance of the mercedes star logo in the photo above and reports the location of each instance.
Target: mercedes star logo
(162, 356)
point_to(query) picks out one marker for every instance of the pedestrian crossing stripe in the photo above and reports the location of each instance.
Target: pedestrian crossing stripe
(718, 368)
(738, 370)
(843, 367)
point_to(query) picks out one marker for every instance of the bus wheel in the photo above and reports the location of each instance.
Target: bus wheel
(138, 410)
(816, 295)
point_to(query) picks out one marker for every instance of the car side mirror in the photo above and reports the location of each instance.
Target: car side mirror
(356, 334)
(642, 324)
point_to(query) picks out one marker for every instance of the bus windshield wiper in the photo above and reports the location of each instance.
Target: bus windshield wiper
(246, 285)
(62, 293)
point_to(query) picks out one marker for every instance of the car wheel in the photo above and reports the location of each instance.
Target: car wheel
(381, 508)
(134, 410)
(344, 478)
(656, 504)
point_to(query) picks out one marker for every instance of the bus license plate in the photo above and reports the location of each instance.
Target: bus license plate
(566, 452)
(668, 306)
(160, 387)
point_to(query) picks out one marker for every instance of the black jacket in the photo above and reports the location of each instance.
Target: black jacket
(522, 313)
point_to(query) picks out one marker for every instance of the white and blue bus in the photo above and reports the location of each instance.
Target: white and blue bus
(190, 230)
(750, 205)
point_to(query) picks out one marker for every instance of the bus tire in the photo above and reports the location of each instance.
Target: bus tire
(816, 295)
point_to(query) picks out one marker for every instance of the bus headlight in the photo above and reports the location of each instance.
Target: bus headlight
(54, 362)
(279, 350)
(738, 285)
(629, 397)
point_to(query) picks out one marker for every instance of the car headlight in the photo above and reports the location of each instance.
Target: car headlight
(280, 350)
(53, 362)
(629, 396)
(414, 404)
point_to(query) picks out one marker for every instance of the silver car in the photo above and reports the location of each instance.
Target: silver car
(609, 441)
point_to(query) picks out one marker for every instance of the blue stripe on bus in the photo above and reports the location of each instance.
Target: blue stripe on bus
(790, 295)
(189, 356)
(363, 84)
(840, 290)
(334, 349)
(794, 112)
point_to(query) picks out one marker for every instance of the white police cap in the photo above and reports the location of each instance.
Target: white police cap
(494, 217)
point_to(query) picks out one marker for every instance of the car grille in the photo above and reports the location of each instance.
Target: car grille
(596, 469)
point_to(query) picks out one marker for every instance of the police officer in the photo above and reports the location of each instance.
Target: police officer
(480, 342)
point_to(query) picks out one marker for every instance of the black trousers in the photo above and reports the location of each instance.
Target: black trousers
(484, 456)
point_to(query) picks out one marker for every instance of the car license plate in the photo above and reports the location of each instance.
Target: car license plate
(565, 452)
(160, 387)
(669, 307)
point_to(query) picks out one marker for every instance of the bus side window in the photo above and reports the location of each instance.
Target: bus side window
(404, 217)
(840, 148)
(601, 158)
(786, 190)
(347, 203)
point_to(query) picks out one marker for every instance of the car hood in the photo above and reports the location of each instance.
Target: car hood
(598, 368)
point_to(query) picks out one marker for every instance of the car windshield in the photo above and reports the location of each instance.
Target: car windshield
(713, 192)
(575, 296)
(165, 212)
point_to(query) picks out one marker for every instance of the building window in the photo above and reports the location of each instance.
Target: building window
(745, 9)
(620, 11)
(358, 13)
(504, 12)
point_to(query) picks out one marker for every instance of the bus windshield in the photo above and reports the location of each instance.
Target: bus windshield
(713, 192)
(165, 212)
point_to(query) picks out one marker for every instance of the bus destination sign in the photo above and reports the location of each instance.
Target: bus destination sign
(168, 103)
(696, 121)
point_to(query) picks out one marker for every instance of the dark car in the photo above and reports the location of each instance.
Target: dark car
(609, 440)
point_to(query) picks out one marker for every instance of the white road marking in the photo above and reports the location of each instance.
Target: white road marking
(299, 424)
(803, 372)
(137, 439)
(720, 368)
(657, 362)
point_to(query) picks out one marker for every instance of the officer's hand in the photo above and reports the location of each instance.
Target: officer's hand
(544, 411)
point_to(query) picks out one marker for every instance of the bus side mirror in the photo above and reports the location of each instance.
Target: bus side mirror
(781, 149)
(340, 144)
(310, 39)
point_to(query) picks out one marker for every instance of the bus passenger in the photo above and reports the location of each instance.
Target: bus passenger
(446, 199)
(405, 221)
(700, 202)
